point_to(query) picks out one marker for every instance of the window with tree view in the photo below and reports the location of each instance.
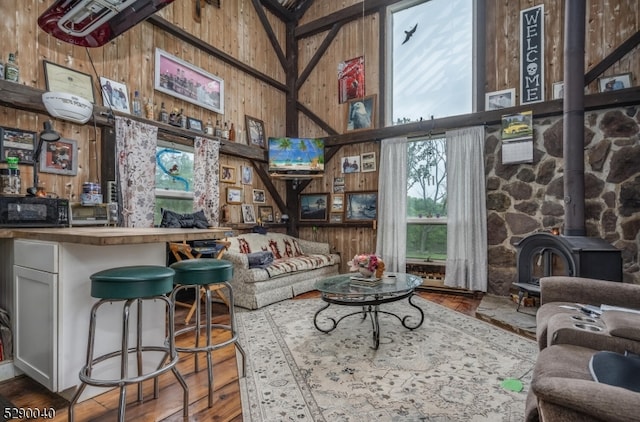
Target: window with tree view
(174, 179)
(427, 200)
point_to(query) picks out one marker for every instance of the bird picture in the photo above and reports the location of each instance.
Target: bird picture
(359, 116)
(409, 33)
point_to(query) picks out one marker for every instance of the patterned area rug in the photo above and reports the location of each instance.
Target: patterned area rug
(449, 369)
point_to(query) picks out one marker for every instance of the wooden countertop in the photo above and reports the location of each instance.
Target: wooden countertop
(102, 236)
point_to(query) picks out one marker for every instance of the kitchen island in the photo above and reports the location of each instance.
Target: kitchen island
(46, 289)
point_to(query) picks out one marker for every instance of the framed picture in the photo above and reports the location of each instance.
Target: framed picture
(368, 161)
(248, 215)
(337, 202)
(194, 124)
(255, 132)
(338, 184)
(62, 79)
(60, 157)
(247, 175)
(351, 164)
(517, 126)
(313, 206)
(17, 143)
(500, 99)
(335, 217)
(350, 79)
(114, 95)
(258, 196)
(265, 213)
(558, 90)
(182, 80)
(234, 195)
(361, 206)
(361, 113)
(615, 82)
(227, 174)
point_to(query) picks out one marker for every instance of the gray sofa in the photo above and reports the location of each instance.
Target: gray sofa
(295, 267)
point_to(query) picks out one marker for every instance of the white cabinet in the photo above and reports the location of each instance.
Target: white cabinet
(52, 302)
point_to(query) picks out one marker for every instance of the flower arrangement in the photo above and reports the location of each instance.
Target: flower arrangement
(367, 265)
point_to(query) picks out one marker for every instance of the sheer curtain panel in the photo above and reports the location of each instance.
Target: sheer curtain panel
(467, 211)
(136, 168)
(391, 242)
(206, 186)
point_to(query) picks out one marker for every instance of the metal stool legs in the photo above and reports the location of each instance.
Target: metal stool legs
(169, 350)
(209, 347)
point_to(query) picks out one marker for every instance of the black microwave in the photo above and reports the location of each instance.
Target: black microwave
(32, 211)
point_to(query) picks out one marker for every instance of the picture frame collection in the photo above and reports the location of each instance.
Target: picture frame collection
(347, 207)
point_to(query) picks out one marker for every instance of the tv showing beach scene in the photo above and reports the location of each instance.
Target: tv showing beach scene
(288, 155)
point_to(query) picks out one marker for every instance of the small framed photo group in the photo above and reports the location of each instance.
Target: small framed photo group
(339, 207)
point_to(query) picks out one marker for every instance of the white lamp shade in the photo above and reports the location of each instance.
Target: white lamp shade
(63, 105)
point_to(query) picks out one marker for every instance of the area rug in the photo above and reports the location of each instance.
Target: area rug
(449, 369)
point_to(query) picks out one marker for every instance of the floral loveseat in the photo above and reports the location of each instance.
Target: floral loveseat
(284, 266)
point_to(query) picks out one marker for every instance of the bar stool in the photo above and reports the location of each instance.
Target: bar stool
(131, 285)
(204, 273)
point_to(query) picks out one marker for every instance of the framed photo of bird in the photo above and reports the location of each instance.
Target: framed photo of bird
(361, 113)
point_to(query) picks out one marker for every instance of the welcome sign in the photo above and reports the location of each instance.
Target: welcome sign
(532, 55)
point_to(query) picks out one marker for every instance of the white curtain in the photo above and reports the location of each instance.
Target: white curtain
(466, 210)
(391, 242)
(206, 187)
(136, 157)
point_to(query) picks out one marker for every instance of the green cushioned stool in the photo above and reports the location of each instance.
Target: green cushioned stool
(205, 273)
(130, 285)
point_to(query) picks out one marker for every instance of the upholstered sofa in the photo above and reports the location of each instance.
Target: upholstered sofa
(285, 266)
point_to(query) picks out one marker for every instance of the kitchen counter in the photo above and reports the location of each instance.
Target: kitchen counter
(103, 236)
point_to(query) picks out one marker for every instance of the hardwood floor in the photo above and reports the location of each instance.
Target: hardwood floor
(26, 393)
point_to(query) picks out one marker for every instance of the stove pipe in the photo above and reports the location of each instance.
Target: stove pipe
(573, 113)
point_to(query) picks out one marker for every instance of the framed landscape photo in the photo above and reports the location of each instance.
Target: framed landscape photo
(255, 132)
(337, 202)
(17, 143)
(361, 113)
(234, 195)
(114, 95)
(615, 82)
(60, 157)
(182, 80)
(360, 206)
(500, 99)
(313, 206)
(265, 213)
(248, 214)
(62, 79)
(258, 196)
(227, 174)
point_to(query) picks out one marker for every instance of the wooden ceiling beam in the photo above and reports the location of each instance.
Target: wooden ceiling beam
(282, 13)
(612, 58)
(318, 55)
(270, 34)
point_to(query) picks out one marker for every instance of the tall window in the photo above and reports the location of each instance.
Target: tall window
(174, 179)
(431, 56)
(427, 200)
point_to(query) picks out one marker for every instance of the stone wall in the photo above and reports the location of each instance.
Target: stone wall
(526, 198)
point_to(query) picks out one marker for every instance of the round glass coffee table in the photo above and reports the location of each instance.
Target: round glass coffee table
(342, 290)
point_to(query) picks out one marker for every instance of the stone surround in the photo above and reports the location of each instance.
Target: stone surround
(525, 198)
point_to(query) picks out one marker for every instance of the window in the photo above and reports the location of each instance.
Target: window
(431, 63)
(174, 179)
(427, 200)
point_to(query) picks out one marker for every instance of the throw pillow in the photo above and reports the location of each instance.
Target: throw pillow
(260, 259)
(172, 219)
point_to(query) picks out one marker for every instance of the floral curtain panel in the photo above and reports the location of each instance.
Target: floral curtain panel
(206, 184)
(136, 151)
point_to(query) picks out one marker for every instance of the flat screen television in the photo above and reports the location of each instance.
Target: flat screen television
(296, 155)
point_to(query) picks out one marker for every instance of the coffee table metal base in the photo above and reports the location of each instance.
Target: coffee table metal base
(370, 308)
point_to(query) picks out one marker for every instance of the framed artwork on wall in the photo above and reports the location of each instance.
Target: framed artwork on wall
(335, 217)
(500, 99)
(614, 82)
(313, 206)
(361, 113)
(194, 124)
(258, 196)
(114, 95)
(182, 80)
(351, 164)
(337, 202)
(248, 215)
(60, 157)
(368, 161)
(558, 90)
(227, 174)
(62, 79)
(255, 132)
(265, 213)
(247, 175)
(234, 195)
(360, 206)
(17, 143)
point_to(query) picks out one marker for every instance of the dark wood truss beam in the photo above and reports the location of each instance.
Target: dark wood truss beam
(318, 55)
(282, 13)
(612, 58)
(270, 34)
